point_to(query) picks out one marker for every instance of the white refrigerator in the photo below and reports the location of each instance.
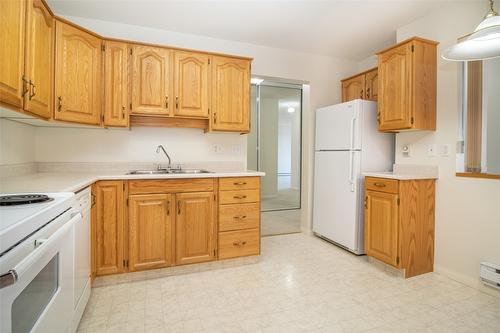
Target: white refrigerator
(347, 144)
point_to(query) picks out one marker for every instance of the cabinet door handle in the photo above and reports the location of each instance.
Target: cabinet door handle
(33, 90)
(239, 243)
(177, 102)
(179, 207)
(59, 103)
(25, 84)
(366, 202)
(215, 117)
(168, 208)
(166, 102)
(361, 94)
(378, 117)
(240, 217)
(239, 197)
(239, 183)
(123, 112)
(379, 184)
(368, 93)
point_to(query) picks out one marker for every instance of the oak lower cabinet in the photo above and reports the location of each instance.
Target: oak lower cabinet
(407, 86)
(399, 223)
(77, 75)
(239, 217)
(230, 90)
(195, 227)
(108, 227)
(151, 231)
(361, 86)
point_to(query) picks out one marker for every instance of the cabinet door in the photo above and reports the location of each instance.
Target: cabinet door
(230, 94)
(77, 75)
(371, 85)
(195, 227)
(394, 103)
(116, 84)
(150, 231)
(353, 88)
(109, 223)
(12, 27)
(381, 226)
(150, 80)
(191, 84)
(39, 59)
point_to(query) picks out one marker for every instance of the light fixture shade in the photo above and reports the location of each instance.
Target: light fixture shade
(483, 43)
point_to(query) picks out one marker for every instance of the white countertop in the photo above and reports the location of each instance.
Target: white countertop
(399, 176)
(407, 172)
(73, 182)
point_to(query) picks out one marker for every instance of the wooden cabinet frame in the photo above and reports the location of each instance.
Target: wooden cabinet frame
(363, 85)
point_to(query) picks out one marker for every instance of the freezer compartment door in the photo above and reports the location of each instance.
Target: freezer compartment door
(338, 127)
(336, 197)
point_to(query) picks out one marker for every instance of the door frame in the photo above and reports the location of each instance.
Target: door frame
(276, 83)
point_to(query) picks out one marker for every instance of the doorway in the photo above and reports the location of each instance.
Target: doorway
(274, 147)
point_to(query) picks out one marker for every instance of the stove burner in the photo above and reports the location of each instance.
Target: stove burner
(23, 199)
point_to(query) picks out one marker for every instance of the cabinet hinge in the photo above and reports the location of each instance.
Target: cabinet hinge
(399, 201)
(413, 48)
(102, 118)
(130, 51)
(127, 201)
(412, 120)
(103, 47)
(214, 252)
(397, 260)
(215, 198)
(130, 106)
(123, 186)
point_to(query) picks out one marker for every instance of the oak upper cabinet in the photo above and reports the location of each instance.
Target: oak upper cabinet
(399, 223)
(361, 86)
(108, 247)
(191, 84)
(407, 86)
(230, 94)
(12, 27)
(150, 231)
(39, 67)
(151, 77)
(116, 83)
(353, 88)
(78, 87)
(381, 226)
(371, 85)
(195, 227)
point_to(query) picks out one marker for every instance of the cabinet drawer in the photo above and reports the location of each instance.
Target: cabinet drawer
(171, 185)
(238, 196)
(242, 243)
(239, 216)
(239, 183)
(382, 185)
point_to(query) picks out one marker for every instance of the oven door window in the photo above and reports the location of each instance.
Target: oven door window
(32, 301)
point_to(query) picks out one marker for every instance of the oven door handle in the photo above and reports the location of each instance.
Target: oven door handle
(13, 275)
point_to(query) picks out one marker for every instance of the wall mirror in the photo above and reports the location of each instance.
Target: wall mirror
(478, 152)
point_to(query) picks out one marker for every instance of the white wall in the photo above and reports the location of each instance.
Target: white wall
(17, 142)
(467, 218)
(491, 86)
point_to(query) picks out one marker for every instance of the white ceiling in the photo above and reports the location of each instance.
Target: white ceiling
(346, 29)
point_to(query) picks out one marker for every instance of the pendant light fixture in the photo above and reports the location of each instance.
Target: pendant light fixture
(483, 43)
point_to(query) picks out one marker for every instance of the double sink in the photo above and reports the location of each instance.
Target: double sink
(168, 171)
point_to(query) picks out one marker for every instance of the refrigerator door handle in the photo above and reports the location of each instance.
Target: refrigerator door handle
(353, 120)
(351, 170)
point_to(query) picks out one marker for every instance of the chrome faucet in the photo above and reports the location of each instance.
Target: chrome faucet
(161, 148)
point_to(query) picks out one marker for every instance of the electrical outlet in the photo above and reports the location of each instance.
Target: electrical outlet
(432, 150)
(406, 150)
(217, 148)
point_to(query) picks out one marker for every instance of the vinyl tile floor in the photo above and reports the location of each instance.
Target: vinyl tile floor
(299, 284)
(280, 222)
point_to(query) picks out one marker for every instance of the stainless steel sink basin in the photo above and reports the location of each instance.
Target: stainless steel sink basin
(168, 171)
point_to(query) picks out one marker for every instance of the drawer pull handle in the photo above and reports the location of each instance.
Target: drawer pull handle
(239, 243)
(239, 183)
(241, 217)
(379, 184)
(240, 197)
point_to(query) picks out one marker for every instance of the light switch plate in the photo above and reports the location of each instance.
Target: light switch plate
(406, 151)
(432, 150)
